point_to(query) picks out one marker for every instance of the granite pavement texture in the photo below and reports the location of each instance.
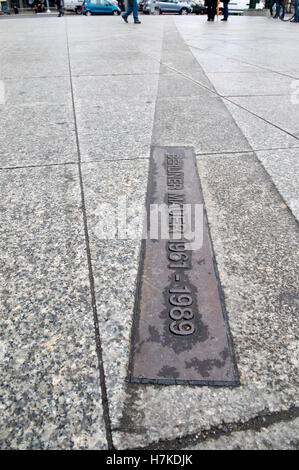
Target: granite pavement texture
(79, 114)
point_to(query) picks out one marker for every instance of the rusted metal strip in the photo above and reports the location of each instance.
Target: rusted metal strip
(180, 333)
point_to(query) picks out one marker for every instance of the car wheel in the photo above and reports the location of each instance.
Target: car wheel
(88, 13)
(184, 11)
(78, 11)
(115, 13)
(160, 12)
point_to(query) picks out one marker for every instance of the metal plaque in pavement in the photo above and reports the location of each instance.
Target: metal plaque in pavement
(180, 332)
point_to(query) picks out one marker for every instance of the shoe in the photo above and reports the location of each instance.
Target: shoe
(137, 22)
(294, 21)
(224, 19)
(124, 18)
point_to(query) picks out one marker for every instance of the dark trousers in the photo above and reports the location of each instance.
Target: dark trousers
(225, 11)
(272, 3)
(211, 12)
(283, 10)
(60, 10)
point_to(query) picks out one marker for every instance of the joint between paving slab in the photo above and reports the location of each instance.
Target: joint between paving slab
(115, 74)
(105, 405)
(238, 152)
(43, 165)
(262, 420)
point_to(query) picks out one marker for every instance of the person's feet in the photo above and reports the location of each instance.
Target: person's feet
(137, 22)
(124, 18)
(224, 19)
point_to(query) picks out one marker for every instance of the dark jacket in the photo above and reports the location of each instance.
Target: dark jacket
(211, 3)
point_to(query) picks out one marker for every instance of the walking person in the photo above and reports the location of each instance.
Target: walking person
(212, 7)
(272, 4)
(225, 9)
(132, 8)
(121, 5)
(60, 5)
(296, 17)
(280, 4)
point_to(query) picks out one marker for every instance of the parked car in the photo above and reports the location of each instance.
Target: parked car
(169, 6)
(141, 5)
(74, 5)
(4, 8)
(237, 7)
(99, 7)
(199, 7)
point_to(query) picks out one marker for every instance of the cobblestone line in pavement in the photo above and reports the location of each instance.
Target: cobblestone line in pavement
(225, 160)
(206, 84)
(227, 98)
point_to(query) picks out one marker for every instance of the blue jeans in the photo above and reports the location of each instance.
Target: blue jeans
(278, 6)
(132, 7)
(296, 10)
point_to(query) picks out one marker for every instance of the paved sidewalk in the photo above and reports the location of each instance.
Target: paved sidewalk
(83, 100)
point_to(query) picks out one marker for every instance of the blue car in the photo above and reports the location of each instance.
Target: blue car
(99, 7)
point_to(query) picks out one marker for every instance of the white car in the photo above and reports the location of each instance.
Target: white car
(74, 5)
(238, 6)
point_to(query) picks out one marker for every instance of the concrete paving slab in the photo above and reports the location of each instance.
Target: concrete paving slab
(216, 63)
(283, 167)
(260, 134)
(282, 111)
(111, 187)
(172, 84)
(115, 129)
(197, 122)
(36, 91)
(113, 65)
(36, 134)
(50, 382)
(97, 89)
(102, 61)
(251, 84)
(45, 60)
